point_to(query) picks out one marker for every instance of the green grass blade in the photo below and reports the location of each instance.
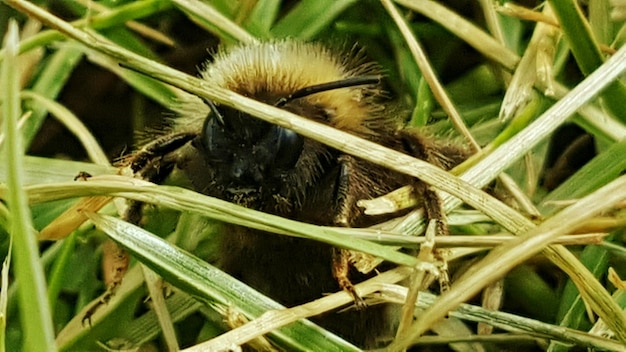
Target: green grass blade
(599, 171)
(572, 312)
(114, 17)
(214, 21)
(35, 313)
(262, 17)
(72, 123)
(199, 278)
(49, 84)
(59, 269)
(189, 201)
(309, 17)
(587, 52)
(39, 170)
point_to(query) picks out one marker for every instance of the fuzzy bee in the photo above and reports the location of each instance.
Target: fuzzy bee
(236, 157)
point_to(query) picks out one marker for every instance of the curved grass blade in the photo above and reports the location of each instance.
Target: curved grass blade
(211, 284)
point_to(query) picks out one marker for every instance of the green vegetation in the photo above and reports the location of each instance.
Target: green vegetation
(505, 79)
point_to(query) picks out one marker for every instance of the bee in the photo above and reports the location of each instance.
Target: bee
(236, 157)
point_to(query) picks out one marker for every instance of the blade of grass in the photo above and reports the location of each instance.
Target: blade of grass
(35, 313)
(599, 171)
(199, 278)
(419, 55)
(309, 17)
(59, 270)
(529, 290)
(4, 284)
(185, 200)
(572, 311)
(159, 92)
(81, 8)
(262, 17)
(587, 52)
(506, 321)
(39, 170)
(49, 84)
(214, 21)
(75, 336)
(602, 26)
(521, 87)
(465, 30)
(155, 288)
(145, 328)
(118, 15)
(499, 261)
(273, 319)
(73, 123)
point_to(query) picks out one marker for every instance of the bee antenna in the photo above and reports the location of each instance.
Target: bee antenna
(214, 110)
(323, 87)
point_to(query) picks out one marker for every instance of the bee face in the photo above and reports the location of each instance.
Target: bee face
(251, 162)
(247, 150)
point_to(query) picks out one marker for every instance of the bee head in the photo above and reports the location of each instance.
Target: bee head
(250, 152)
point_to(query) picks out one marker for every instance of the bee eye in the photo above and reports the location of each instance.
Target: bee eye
(288, 147)
(215, 138)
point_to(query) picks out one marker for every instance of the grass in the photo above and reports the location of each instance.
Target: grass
(507, 95)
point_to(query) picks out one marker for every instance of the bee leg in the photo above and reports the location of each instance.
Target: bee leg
(114, 264)
(421, 147)
(433, 209)
(156, 149)
(346, 200)
(150, 163)
(341, 270)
